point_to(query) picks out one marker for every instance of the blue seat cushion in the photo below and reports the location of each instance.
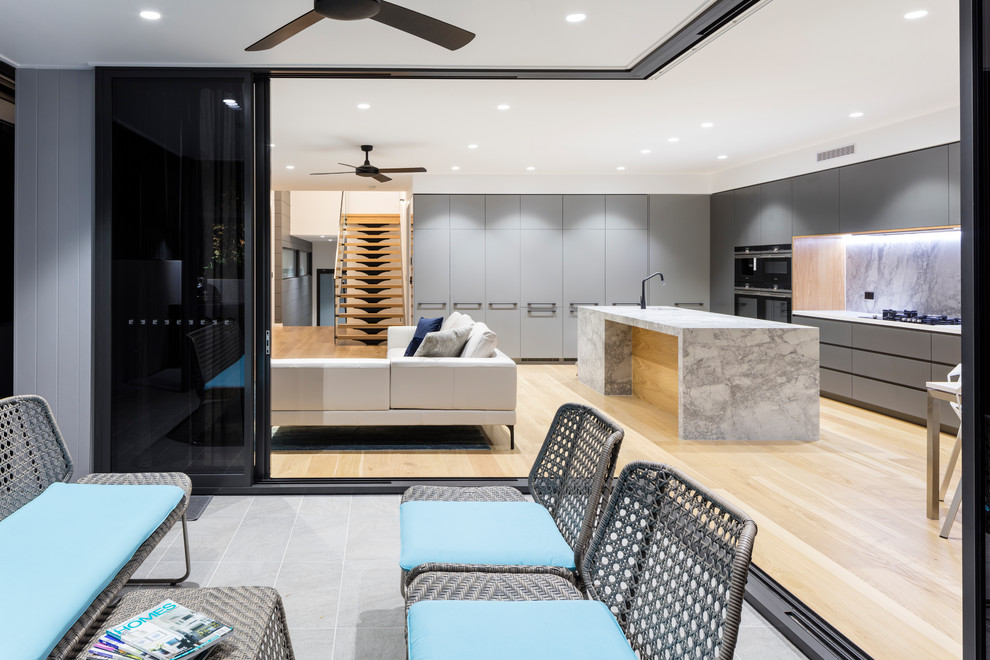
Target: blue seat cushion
(499, 533)
(423, 328)
(232, 376)
(527, 630)
(61, 549)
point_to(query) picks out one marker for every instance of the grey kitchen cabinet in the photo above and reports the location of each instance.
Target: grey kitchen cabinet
(467, 272)
(955, 165)
(888, 396)
(541, 211)
(747, 307)
(541, 293)
(584, 211)
(467, 211)
(626, 264)
(748, 204)
(896, 341)
(584, 279)
(836, 383)
(891, 368)
(502, 287)
(431, 212)
(815, 203)
(838, 358)
(679, 229)
(776, 212)
(626, 212)
(431, 272)
(721, 275)
(502, 211)
(907, 190)
(947, 349)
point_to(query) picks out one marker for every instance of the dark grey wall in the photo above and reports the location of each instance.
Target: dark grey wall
(297, 300)
(53, 249)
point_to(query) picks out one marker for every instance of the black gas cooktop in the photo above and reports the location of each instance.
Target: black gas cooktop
(912, 316)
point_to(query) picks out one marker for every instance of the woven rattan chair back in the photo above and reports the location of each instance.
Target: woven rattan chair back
(574, 469)
(670, 559)
(33, 454)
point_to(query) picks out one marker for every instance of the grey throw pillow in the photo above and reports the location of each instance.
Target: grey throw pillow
(444, 343)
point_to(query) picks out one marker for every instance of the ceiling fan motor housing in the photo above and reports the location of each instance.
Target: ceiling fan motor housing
(347, 10)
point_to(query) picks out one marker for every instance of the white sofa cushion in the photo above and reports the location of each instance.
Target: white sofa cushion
(456, 320)
(444, 343)
(481, 342)
(454, 383)
(330, 384)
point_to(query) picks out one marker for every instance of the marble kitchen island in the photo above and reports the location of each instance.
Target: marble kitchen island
(723, 377)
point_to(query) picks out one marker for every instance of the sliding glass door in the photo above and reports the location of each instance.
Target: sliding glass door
(174, 264)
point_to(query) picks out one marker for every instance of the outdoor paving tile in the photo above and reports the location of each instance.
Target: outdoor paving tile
(310, 591)
(260, 538)
(369, 595)
(245, 573)
(369, 644)
(312, 644)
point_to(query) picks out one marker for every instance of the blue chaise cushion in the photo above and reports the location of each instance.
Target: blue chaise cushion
(232, 376)
(423, 327)
(499, 533)
(59, 551)
(521, 630)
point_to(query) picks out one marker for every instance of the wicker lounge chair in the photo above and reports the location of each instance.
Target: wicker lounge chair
(669, 559)
(570, 478)
(33, 456)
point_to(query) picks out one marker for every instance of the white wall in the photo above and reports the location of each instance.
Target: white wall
(917, 133)
(315, 213)
(372, 201)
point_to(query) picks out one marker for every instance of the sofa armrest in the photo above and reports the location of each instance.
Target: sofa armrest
(399, 336)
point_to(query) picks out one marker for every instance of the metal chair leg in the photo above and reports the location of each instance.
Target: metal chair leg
(512, 437)
(172, 581)
(951, 465)
(950, 516)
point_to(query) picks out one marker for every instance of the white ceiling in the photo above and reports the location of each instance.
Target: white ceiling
(785, 77)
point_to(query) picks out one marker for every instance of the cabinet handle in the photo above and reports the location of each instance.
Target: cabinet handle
(477, 305)
(431, 305)
(575, 305)
(679, 304)
(503, 305)
(552, 305)
(622, 304)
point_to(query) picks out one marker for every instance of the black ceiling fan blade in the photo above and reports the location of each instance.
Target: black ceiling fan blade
(290, 29)
(426, 27)
(381, 178)
(346, 165)
(322, 173)
(401, 170)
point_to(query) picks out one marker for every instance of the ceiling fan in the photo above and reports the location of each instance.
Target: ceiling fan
(419, 25)
(370, 170)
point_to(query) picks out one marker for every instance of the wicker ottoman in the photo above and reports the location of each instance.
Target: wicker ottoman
(256, 615)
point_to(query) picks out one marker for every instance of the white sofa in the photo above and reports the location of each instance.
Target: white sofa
(396, 390)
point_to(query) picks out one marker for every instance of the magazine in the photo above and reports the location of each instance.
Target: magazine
(168, 631)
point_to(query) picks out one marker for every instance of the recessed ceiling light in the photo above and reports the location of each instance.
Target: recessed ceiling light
(472, 146)
(455, 167)
(503, 106)
(912, 15)
(290, 167)
(149, 15)
(722, 157)
(644, 151)
(856, 114)
(575, 18)
(271, 146)
(673, 139)
(620, 167)
(363, 106)
(707, 124)
(530, 168)
(323, 235)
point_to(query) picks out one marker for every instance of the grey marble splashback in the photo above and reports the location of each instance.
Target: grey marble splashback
(919, 271)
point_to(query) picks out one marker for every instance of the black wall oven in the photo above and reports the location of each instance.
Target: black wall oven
(763, 282)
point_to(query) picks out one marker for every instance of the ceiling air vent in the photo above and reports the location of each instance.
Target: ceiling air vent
(847, 150)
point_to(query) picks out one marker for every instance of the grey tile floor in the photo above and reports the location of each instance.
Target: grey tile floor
(335, 559)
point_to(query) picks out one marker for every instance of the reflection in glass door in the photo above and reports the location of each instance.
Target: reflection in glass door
(176, 261)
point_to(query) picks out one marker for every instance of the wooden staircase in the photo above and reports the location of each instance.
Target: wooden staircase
(368, 278)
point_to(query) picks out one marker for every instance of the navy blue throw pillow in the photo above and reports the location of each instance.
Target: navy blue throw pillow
(424, 326)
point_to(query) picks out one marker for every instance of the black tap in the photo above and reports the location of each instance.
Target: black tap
(642, 295)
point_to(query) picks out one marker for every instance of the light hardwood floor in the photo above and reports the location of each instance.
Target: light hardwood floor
(841, 521)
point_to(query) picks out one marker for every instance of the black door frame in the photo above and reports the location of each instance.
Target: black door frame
(319, 291)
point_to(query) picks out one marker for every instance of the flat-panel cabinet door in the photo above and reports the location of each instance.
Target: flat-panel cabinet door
(746, 220)
(502, 307)
(502, 211)
(467, 211)
(955, 165)
(541, 255)
(431, 212)
(431, 272)
(816, 203)
(467, 272)
(721, 257)
(584, 279)
(679, 248)
(541, 211)
(584, 211)
(775, 215)
(626, 264)
(626, 212)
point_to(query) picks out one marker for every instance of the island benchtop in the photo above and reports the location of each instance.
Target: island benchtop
(674, 320)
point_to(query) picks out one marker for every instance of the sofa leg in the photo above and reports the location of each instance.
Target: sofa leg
(512, 436)
(172, 581)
